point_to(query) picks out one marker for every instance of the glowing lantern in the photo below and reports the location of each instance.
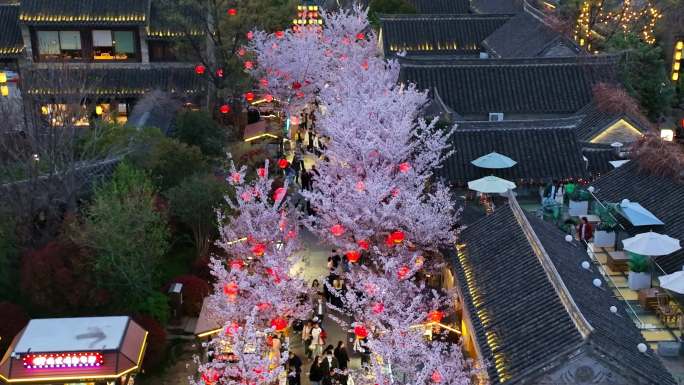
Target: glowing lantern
(279, 324)
(263, 306)
(360, 331)
(404, 167)
(268, 98)
(250, 35)
(436, 377)
(364, 65)
(435, 316)
(236, 264)
(279, 194)
(231, 290)
(397, 237)
(296, 85)
(403, 272)
(291, 235)
(200, 69)
(283, 163)
(249, 65)
(263, 82)
(272, 273)
(261, 171)
(210, 376)
(279, 34)
(219, 72)
(360, 186)
(241, 52)
(246, 196)
(353, 256)
(236, 177)
(364, 244)
(232, 11)
(378, 307)
(259, 249)
(360, 36)
(249, 96)
(337, 230)
(224, 109)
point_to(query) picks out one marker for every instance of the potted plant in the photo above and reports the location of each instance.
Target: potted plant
(639, 277)
(604, 236)
(579, 202)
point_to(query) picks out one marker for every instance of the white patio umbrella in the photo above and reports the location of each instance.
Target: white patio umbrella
(491, 184)
(673, 282)
(494, 160)
(651, 244)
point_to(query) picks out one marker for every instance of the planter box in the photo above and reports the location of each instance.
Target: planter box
(578, 208)
(604, 238)
(638, 281)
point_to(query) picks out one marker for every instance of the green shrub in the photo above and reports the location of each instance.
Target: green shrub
(638, 263)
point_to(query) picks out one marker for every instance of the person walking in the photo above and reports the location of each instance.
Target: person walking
(315, 375)
(294, 364)
(317, 339)
(341, 355)
(329, 367)
(585, 231)
(306, 338)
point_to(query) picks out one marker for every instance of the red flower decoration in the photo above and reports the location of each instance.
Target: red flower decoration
(360, 186)
(378, 307)
(360, 331)
(241, 51)
(360, 36)
(249, 65)
(232, 11)
(404, 167)
(279, 34)
(261, 171)
(200, 69)
(210, 376)
(397, 237)
(279, 324)
(337, 230)
(283, 163)
(250, 35)
(259, 249)
(436, 377)
(403, 272)
(232, 328)
(353, 256)
(263, 306)
(249, 96)
(364, 65)
(296, 85)
(236, 264)
(272, 273)
(224, 109)
(231, 290)
(279, 194)
(435, 316)
(268, 98)
(246, 196)
(364, 244)
(236, 177)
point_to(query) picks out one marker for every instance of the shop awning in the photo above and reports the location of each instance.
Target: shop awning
(637, 214)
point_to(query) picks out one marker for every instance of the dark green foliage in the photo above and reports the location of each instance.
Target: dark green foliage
(638, 263)
(377, 7)
(644, 74)
(197, 128)
(170, 161)
(9, 259)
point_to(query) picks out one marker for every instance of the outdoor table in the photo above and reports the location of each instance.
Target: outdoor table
(617, 260)
(648, 298)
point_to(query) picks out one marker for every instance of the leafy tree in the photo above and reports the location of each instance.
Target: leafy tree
(197, 128)
(195, 289)
(156, 341)
(377, 7)
(127, 234)
(644, 74)
(193, 202)
(170, 161)
(9, 258)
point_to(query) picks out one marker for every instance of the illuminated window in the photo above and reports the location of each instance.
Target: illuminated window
(61, 114)
(113, 45)
(59, 45)
(667, 134)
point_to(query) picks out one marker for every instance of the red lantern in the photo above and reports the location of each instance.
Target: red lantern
(263, 82)
(210, 376)
(224, 109)
(353, 256)
(435, 316)
(232, 11)
(360, 36)
(291, 235)
(261, 171)
(360, 331)
(219, 72)
(236, 264)
(279, 34)
(436, 377)
(364, 244)
(296, 85)
(231, 290)
(279, 324)
(404, 167)
(246, 196)
(250, 35)
(378, 307)
(241, 51)
(397, 237)
(236, 177)
(249, 96)
(249, 65)
(200, 69)
(279, 194)
(263, 306)
(272, 273)
(283, 163)
(403, 272)
(268, 98)
(364, 65)
(337, 230)
(259, 249)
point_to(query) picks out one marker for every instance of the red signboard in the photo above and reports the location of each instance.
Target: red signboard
(62, 360)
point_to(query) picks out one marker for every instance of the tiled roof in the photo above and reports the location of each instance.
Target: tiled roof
(496, 6)
(533, 86)
(85, 12)
(437, 34)
(541, 153)
(659, 195)
(107, 81)
(441, 6)
(533, 307)
(524, 36)
(567, 122)
(599, 158)
(594, 121)
(11, 42)
(162, 27)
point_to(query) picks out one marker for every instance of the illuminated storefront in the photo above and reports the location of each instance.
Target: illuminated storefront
(65, 351)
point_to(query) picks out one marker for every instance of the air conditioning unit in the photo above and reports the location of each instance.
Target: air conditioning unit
(496, 116)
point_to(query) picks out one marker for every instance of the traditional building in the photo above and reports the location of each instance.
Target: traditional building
(534, 314)
(65, 351)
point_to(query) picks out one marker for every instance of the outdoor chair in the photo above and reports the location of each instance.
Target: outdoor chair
(665, 310)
